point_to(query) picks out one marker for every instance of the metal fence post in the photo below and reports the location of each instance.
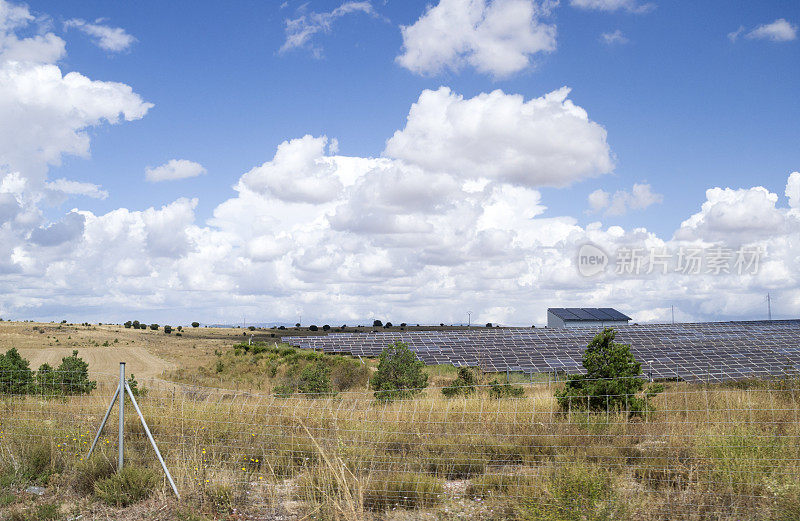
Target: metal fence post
(119, 394)
(121, 445)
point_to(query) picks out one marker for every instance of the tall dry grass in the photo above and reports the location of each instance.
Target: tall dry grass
(705, 452)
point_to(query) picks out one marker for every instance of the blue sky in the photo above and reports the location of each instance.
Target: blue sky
(686, 106)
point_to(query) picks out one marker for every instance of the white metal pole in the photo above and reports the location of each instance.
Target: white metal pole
(152, 441)
(105, 419)
(121, 445)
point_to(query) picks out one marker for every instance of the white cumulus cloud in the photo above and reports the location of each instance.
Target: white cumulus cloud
(300, 172)
(45, 47)
(736, 214)
(546, 141)
(174, 169)
(497, 37)
(47, 114)
(793, 190)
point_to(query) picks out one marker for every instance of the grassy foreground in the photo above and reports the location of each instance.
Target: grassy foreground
(705, 452)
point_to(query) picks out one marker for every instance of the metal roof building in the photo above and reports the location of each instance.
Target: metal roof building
(585, 317)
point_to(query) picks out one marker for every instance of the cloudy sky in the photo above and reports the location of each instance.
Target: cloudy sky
(403, 160)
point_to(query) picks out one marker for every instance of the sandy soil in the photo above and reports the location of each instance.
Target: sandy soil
(104, 360)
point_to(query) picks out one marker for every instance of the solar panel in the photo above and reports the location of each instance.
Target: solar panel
(614, 314)
(714, 351)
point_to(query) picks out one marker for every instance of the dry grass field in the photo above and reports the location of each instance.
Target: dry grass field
(705, 452)
(147, 352)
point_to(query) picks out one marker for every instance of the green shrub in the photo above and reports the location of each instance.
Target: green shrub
(195, 324)
(73, 375)
(88, 472)
(220, 497)
(167, 329)
(16, 376)
(400, 374)
(284, 391)
(611, 381)
(315, 379)
(349, 374)
(464, 384)
(126, 487)
(47, 380)
(498, 390)
(128, 324)
(573, 492)
(154, 327)
(138, 392)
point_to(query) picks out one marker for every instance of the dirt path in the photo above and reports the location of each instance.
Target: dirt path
(103, 359)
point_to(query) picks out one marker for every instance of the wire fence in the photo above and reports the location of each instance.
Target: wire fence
(698, 451)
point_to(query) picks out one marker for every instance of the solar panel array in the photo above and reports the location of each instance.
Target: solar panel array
(711, 351)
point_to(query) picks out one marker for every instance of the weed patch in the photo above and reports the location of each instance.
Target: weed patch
(401, 490)
(130, 485)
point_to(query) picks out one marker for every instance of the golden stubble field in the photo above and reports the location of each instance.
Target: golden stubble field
(147, 353)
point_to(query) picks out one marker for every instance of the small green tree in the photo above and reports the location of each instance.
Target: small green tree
(611, 381)
(315, 379)
(138, 392)
(16, 376)
(168, 329)
(73, 375)
(195, 324)
(135, 324)
(46, 380)
(400, 374)
(377, 323)
(499, 390)
(154, 327)
(464, 384)
(128, 324)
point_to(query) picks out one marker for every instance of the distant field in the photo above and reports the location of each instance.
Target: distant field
(103, 359)
(147, 353)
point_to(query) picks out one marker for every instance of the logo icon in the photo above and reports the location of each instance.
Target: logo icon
(592, 260)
